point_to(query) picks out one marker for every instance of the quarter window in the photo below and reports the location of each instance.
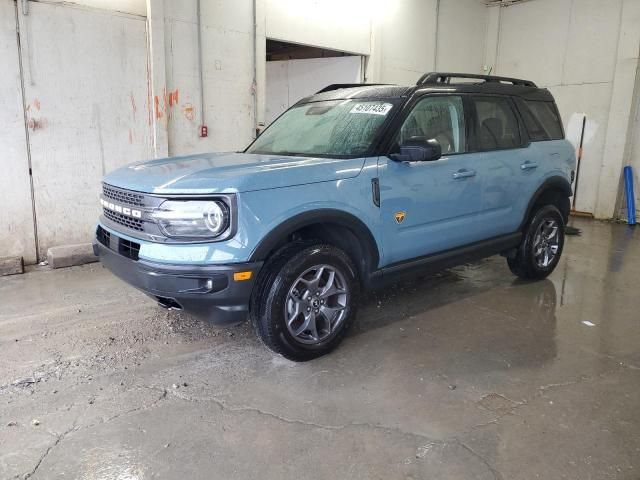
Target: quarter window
(496, 124)
(542, 121)
(437, 117)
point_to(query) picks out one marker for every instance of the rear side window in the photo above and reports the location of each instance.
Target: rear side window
(496, 124)
(542, 121)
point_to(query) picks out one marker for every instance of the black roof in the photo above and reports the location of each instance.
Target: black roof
(435, 82)
(362, 91)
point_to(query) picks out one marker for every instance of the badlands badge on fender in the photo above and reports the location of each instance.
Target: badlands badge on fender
(399, 216)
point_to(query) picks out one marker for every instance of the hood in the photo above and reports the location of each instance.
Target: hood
(229, 173)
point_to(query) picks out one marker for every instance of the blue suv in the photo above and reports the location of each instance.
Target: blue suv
(349, 189)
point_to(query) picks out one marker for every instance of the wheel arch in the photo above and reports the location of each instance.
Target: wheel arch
(556, 190)
(337, 227)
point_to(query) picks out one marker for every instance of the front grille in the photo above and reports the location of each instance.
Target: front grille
(129, 222)
(129, 249)
(103, 237)
(123, 196)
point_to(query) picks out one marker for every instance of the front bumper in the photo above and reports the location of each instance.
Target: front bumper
(206, 291)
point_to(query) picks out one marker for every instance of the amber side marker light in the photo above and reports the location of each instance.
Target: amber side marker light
(242, 276)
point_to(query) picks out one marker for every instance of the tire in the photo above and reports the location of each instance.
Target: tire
(543, 235)
(310, 285)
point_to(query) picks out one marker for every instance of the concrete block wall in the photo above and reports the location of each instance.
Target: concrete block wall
(17, 236)
(401, 40)
(634, 152)
(586, 53)
(227, 59)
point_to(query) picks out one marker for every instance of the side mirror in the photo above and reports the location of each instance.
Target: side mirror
(418, 149)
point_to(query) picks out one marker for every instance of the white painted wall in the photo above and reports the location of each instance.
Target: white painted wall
(343, 25)
(135, 7)
(586, 53)
(634, 153)
(16, 221)
(583, 51)
(87, 111)
(405, 42)
(620, 122)
(462, 26)
(412, 37)
(227, 39)
(290, 80)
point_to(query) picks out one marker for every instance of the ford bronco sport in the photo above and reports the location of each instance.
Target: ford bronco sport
(347, 190)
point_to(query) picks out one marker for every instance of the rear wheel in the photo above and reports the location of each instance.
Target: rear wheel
(306, 300)
(542, 244)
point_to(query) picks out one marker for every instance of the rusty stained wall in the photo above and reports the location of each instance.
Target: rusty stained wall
(87, 108)
(16, 220)
(227, 39)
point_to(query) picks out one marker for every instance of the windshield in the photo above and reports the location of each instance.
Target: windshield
(330, 128)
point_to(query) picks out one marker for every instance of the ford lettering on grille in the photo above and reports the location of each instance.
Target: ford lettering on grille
(130, 212)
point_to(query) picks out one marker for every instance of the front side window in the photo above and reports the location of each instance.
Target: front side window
(496, 124)
(436, 117)
(329, 128)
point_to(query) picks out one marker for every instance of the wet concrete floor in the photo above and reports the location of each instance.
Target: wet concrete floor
(469, 374)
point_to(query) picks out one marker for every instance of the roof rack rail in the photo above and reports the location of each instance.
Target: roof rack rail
(337, 86)
(440, 77)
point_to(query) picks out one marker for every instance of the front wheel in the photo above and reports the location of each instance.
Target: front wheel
(541, 247)
(306, 301)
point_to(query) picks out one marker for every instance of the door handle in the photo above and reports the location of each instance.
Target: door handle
(464, 174)
(528, 165)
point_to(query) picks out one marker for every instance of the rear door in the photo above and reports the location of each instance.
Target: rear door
(505, 163)
(428, 207)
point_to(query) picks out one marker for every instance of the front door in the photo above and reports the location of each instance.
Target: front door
(428, 207)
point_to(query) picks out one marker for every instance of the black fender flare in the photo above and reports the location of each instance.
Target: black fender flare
(556, 183)
(317, 217)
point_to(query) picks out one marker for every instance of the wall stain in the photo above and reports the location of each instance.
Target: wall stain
(37, 123)
(162, 105)
(174, 97)
(134, 108)
(189, 112)
(159, 111)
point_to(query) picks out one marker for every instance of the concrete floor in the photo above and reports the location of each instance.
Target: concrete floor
(466, 375)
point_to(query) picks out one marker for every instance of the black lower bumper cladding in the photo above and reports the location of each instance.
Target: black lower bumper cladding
(206, 291)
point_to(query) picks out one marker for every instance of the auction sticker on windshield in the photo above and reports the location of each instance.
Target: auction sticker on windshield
(372, 108)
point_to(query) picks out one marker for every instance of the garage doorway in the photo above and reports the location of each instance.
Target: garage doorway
(295, 71)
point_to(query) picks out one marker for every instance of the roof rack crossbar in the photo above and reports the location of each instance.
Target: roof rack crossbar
(337, 86)
(432, 78)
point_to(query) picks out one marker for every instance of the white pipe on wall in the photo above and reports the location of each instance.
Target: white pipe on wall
(200, 66)
(254, 85)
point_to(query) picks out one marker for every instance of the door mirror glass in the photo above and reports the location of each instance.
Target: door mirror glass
(418, 149)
